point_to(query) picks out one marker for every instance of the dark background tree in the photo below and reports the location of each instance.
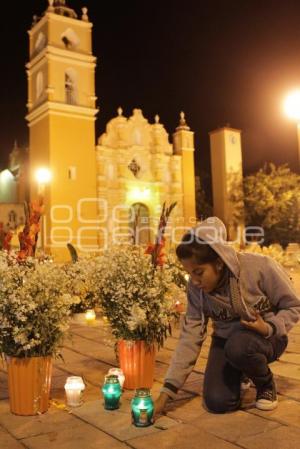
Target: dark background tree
(272, 201)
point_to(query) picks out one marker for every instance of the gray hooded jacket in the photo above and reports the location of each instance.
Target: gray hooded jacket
(261, 284)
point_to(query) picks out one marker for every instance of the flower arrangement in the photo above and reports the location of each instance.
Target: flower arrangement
(82, 283)
(138, 289)
(137, 300)
(34, 306)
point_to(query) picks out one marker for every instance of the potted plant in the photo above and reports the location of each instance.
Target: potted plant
(34, 311)
(138, 295)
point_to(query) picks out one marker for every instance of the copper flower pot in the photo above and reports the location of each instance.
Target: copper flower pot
(137, 363)
(29, 382)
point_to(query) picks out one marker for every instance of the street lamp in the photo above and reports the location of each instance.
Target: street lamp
(292, 110)
(43, 177)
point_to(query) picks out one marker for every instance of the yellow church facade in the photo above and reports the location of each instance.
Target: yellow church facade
(96, 192)
(138, 169)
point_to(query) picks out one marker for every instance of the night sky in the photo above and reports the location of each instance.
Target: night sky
(222, 62)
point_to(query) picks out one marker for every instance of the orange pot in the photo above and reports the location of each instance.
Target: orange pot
(29, 382)
(137, 364)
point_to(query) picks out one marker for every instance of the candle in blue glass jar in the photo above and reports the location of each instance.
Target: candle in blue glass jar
(142, 408)
(112, 392)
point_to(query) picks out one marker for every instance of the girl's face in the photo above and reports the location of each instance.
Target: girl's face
(206, 275)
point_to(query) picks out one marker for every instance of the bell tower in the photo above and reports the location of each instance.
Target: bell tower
(61, 119)
(183, 143)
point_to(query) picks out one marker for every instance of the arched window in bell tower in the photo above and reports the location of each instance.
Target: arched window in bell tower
(71, 86)
(39, 85)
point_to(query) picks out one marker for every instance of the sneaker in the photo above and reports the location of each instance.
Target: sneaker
(266, 397)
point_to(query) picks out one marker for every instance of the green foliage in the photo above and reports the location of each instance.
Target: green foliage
(203, 208)
(272, 201)
(73, 252)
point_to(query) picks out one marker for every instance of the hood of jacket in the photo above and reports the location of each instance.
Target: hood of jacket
(213, 232)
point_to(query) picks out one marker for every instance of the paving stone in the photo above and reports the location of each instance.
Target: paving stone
(286, 370)
(186, 410)
(204, 351)
(78, 436)
(8, 442)
(91, 370)
(287, 412)
(160, 371)
(94, 333)
(295, 330)
(294, 345)
(69, 357)
(281, 438)
(289, 357)
(98, 351)
(183, 436)
(234, 426)
(55, 420)
(288, 387)
(57, 371)
(116, 423)
(164, 356)
(201, 365)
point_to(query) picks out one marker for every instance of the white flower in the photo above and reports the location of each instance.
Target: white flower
(34, 306)
(137, 317)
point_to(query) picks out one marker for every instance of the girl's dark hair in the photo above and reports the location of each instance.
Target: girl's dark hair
(193, 246)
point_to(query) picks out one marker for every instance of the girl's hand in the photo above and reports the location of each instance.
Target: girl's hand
(259, 325)
(160, 404)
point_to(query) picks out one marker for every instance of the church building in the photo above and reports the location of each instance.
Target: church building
(95, 189)
(101, 190)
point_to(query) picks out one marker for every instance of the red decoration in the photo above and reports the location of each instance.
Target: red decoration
(29, 236)
(156, 249)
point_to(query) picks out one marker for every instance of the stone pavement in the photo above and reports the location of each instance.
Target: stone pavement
(186, 425)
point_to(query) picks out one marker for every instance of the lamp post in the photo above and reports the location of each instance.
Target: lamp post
(43, 177)
(292, 110)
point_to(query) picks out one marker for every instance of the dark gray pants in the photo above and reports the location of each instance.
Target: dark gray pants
(245, 352)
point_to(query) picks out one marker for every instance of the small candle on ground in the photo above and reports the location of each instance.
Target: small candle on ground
(74, 387)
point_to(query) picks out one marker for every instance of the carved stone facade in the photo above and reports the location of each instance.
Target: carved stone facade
(137, 165)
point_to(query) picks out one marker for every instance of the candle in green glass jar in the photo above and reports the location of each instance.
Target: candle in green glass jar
(112, 392)
(142, 408)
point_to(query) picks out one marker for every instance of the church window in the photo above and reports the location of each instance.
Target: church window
(39, 85)
(72, 173)
(40, 42)
(70, 39)
(70, 87)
